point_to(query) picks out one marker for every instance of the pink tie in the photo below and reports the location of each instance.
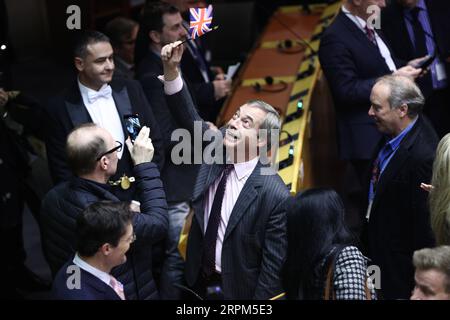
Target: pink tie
(117, 286)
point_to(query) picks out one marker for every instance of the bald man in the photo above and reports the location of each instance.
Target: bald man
(92, 157)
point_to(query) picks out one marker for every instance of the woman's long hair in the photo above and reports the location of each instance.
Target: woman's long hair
(440, 195)
(315, 225)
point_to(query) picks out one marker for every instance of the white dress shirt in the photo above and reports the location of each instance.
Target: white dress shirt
(235, 182)
(382, 47)
(105, 277)
(104, 113)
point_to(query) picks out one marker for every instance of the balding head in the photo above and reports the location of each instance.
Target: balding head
(84, 145)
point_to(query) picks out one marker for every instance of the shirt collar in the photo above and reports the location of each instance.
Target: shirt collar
(357, 20)
(105, 277)
(395, 142)
(85, 90)
(244, 169)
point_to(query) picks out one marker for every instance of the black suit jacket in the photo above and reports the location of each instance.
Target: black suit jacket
(178, 178)
(399, 220)
(91, 287)
(255, 241)
(67, 111)
(352, 64)
(394, 28)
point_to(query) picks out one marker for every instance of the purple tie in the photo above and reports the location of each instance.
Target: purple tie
(371, 35)
(209, 242)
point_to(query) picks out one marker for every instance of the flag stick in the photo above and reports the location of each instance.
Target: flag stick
(191, 39)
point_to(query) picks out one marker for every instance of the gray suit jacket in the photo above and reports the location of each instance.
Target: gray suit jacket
(255, 240)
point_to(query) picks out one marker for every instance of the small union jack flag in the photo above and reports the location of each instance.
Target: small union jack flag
(201, 19)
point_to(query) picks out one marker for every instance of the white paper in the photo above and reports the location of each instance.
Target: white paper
(232, 70)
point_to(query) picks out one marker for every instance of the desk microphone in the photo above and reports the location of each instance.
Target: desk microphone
(299, 38)
(269, 85)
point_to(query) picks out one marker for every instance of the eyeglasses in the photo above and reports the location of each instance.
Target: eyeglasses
(117, 148)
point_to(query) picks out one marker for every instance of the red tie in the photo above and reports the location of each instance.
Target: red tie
(117, 286)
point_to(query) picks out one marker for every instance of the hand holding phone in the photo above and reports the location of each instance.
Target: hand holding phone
(142, 150)
(133, 126)
(424, 63)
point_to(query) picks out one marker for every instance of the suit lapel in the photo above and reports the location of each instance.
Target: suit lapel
(361, 37)
(123, 104)
(75, 107)
(396, 163)
(246, 198)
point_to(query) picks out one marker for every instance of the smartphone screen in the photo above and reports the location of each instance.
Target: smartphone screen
(133, 126)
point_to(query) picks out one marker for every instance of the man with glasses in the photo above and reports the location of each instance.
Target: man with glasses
(92, 155)
(104, 235)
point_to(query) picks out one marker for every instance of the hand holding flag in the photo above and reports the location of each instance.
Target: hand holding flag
(201, 20)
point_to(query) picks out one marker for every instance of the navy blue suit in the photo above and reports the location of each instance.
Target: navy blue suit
(91, 287)
(352, 64)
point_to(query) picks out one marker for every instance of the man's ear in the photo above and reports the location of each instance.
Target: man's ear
(79, 64)
(403, 110)
(105, 249)
(104, 163)
(155, 36)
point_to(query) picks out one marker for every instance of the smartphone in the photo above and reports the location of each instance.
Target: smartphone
(424, 64)
(133, 126)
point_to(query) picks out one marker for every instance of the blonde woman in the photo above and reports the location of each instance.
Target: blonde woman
(440, 193)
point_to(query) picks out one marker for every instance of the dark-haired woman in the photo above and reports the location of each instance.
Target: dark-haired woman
(320, 249)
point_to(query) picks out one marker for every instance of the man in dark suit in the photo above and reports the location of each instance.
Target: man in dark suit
(353, 55)
(397, 210)
(123, 33)
(95, 97)
(237, 241)
(161, 24)
(415, 28)
(104, 234)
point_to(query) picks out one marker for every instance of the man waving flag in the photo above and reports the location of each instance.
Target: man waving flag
(201, 19)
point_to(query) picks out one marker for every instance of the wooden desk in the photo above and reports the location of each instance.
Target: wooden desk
(300, 71)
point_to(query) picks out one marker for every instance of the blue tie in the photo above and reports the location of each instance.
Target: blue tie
(209, 242)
